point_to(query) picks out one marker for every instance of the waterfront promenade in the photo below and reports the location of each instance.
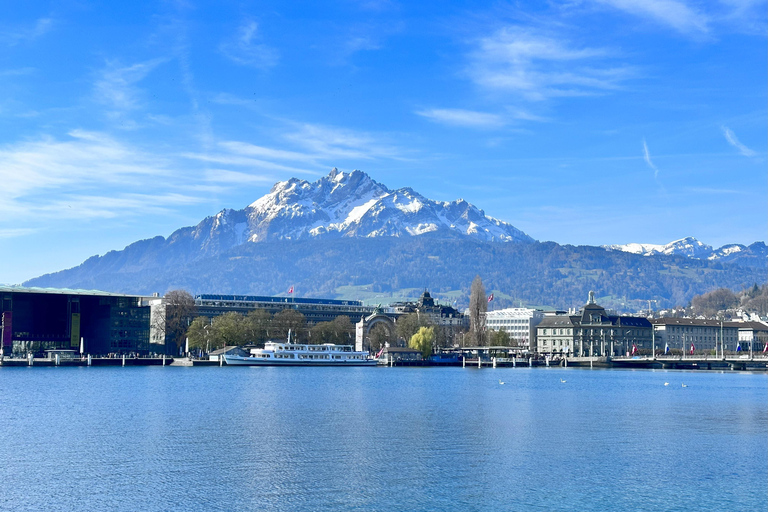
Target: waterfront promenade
(695, 362)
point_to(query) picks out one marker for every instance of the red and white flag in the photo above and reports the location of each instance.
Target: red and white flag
(765, 348)
(290, 290)
(490, 297)
(634, 349)
(693, 347)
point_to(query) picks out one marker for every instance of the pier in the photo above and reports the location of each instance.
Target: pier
(86, 361)
(694, 362)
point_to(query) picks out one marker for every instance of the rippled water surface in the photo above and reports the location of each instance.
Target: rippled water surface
(312, 439)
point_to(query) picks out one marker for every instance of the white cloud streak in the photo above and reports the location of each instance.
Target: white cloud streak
(76, 172)
(672, 13)
(647, 158)
(243, 48)
(116, 87)
(733, 141)
(460, 117)
(14, 232)
(538, 66)
(327, 142)
(14, 36)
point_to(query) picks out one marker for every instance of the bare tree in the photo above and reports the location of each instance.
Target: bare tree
(289, 320)
(478, 306)
(173, 320)
(378, 337)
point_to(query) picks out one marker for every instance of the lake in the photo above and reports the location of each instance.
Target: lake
(376, 439)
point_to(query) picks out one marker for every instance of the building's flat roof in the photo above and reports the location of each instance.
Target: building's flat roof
(64, 291)
(694, 322)
(512, 313)
(290, 300)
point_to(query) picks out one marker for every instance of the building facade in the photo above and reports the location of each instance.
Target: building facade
(593, 332)
(438, 314)
(753, 335)
(98, 323)
(314, 310)
(519, 323)
(705, 335)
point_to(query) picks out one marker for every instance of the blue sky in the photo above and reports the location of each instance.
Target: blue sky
(583, 122)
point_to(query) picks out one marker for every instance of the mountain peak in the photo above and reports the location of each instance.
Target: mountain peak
(352, 204)
(687, 246)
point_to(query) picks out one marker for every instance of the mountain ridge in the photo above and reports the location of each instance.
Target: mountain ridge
(688, 246)
(346, 230)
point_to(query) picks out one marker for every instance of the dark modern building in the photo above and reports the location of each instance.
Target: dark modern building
(315, 310)
(38, 319)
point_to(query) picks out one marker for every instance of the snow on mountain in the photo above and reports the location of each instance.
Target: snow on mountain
(688, 246)
(727, 250)
(347, 205)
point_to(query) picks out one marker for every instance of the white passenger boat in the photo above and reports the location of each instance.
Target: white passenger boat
(295, 354)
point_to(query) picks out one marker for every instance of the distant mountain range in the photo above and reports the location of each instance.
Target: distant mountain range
(348, 236)
(691, 248)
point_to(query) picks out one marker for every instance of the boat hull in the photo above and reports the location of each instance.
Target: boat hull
(253, 361)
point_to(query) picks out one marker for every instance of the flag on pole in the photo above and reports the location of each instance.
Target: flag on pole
(290, 290)
(693, 347)
(490, 297)
(765, 347)
(666, 348)
(738, 347)
(378, 354)
(634, 349)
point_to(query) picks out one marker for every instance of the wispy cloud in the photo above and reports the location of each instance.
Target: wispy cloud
(313, 149)
(237, 178)
(75, 170)
(116, 86)
(460, 117)
(330, 142)
(537, 66)
(747, 16)
(647, 158)
(237, 160)
(244, 148)
(733, 141)
(16, 35)
(672, 13)
(475, 119)
(716, 191)
(14, 232)
(17, 72)
(244, 48)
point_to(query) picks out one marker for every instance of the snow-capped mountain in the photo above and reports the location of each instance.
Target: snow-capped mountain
(688, 246)
(346, 205)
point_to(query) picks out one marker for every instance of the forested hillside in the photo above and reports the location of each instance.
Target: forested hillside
(535, 273)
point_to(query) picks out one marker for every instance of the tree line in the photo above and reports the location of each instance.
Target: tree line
(258, 326)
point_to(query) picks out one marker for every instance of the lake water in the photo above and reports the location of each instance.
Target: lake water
(370, 439)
